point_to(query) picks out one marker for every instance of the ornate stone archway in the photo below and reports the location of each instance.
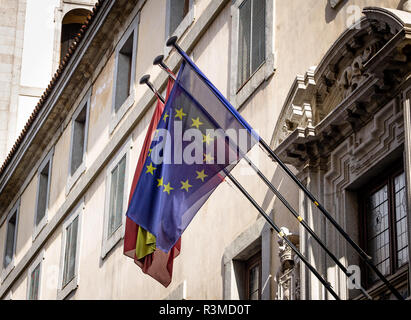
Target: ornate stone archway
(342, 121)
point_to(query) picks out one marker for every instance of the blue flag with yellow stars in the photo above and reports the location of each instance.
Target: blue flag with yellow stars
(197, 141)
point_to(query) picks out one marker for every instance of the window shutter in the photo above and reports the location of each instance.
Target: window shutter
(70, 252)
(258, 34)
(244, 42)
(73, 249)
(113, 197)
(34, 283)
(120, 193)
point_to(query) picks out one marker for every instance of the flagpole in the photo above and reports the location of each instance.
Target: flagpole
(281, 234)
(159, 61)
(146, 80)
(366, 258)
(277, 229)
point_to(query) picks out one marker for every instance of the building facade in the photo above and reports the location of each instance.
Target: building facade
(342, 127)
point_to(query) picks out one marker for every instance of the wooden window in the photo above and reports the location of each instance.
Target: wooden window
(251, 39)
(253, 278)
(385, 224)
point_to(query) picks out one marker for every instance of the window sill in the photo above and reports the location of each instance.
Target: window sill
(265, 71)
(40, 227)
(117, 116)
(68, 288)
(71, 181)
(110, 243)
(380, 289)
(5, 273)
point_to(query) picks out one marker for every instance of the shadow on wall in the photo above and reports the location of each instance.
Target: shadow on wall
(331, 13)
(401, 4)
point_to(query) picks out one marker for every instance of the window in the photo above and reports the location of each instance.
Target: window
(11, 239)
(179, 16)
(116, 198)
(34, 276)
(385, 215)
(251, 39)
(252, 47)
(178, 11)
(124, 74)
(253, 278)
(43, 191)
(71, 25)
(70, 253)
(78, 146)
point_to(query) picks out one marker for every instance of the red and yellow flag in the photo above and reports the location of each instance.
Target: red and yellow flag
(140, 244)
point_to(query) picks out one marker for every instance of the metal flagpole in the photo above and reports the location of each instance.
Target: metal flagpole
(146, 80)
(273, 225)
(366, 258)
(326, 284)
(159, 61)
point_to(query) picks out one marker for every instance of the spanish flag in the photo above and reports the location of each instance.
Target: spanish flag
(139, 244)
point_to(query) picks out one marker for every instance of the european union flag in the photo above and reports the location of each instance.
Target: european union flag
(197, 141)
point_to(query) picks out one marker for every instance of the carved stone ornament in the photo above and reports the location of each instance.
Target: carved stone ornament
(354, 75)
(288, 275)
(355, 78)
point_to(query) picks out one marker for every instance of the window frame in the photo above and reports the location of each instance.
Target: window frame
(182, 27)
(64, 291)
(37, 228)
(374, 185)
(38, 261)
(117, 115)
(250, 263)
(72, 178)
(108, 243)
(6, 271)
(238, 96)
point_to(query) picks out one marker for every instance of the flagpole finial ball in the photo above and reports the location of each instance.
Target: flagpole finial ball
(144, 79)
(172, 41)
(158, 60)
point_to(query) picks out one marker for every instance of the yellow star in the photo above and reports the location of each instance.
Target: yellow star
(149, 152)
(167, 188)
(185, 185)
(207, 138)
(165, 117)
(208, 158)
(196, 123)
(150, 169)
(180, 114)
(201, 175)
(160, 182)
